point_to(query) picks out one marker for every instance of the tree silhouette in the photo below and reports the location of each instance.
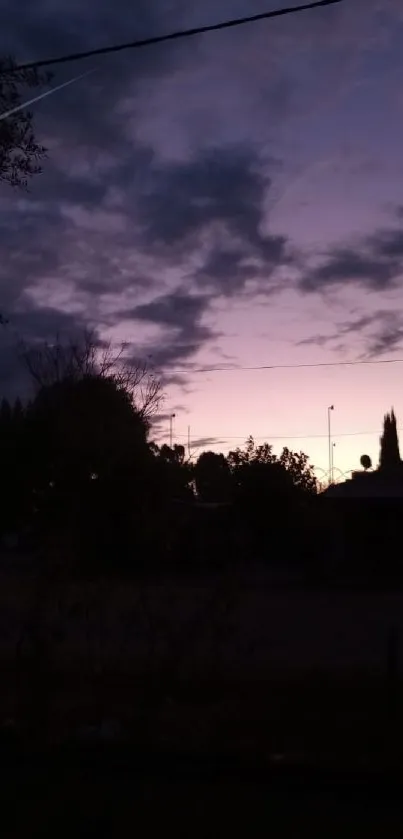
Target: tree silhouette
(72, 360)
(12, 466)
(89, 424)
(299, 473)
(174, 473)
(268, 494)
(212, 477)
(5, 414)
(89, 464)
(20, 153)
(251, 454)
(389, 455)
(297, 466)
(174, 455)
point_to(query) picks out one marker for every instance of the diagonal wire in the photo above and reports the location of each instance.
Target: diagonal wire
(190, 371)
(270, 437)
(172, 36)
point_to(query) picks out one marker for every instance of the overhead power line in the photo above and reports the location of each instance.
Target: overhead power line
(283, 366)
(270, 437)
(172, 36)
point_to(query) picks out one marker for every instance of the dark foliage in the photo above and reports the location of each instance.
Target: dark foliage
(88, 463)
(14, 487)
(82, 478)
(82, 483)
(20, 153)
(389, 458)
(212, 477)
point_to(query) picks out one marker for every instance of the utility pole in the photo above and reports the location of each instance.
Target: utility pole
(172, 416)
(330, 408)
(189, 442)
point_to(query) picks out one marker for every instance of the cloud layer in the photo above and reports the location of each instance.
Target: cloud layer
(155, 203)
(374, 262)
(380, 332)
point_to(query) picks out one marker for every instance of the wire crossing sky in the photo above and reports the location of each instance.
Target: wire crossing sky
(235, 369)
(172, 36)
(227, 206)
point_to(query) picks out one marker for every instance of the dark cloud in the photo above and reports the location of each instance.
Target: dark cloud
(374, 262)
(108, 217)
(31, 326)
(207, 442)
(345, 266)
(388, 244)
(317, 340)
(48, 28)
(91, 253)
(112, 215)
(160, 424)
(228, 272)
(220, 185)
(25, 254)
(72, 240)
(180, 316)
(85, 125)
(387, 340)
(343, 329)
(172, 310)
(386, 333)
(159, 419)
(381, 332)
(214, 205)
(35, 324)
(222, 264)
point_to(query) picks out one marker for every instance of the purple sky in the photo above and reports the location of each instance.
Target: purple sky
(231, 199)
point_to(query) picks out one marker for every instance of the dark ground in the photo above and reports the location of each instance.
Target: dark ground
(113, 794)
(292, 758)
(280, 752)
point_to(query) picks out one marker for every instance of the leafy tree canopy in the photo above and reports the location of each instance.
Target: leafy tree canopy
(20, 152)
(212, 476)
(267, 472)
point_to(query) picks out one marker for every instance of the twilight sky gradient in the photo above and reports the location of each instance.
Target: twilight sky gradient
(235, 198)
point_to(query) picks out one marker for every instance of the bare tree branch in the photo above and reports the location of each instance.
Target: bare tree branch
(52, 363)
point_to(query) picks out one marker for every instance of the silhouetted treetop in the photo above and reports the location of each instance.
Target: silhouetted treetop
(290, 469)
(5, 412)
(298, 467)
(389, 458)
(212, 477)
(20, 152)
(73, 360)
(89, 422)
(174, 455)
(251, 454)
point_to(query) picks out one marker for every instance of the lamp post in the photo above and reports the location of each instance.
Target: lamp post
(332, 472)
(330, 408)
(170, 429)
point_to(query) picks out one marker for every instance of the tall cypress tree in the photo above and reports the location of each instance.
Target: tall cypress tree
(5, 413)
(389, 455)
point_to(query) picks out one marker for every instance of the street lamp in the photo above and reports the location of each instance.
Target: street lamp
(330, 408)
(170, 429)
(332, 473)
